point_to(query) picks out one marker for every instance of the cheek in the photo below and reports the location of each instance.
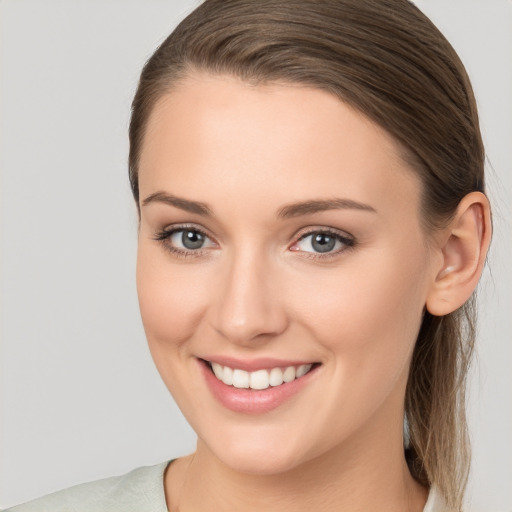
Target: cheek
(367, 313)
(366, 318)
(171, 299)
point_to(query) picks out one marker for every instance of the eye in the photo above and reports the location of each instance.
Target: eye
(322, 242)
(185, 241)
(188, 239)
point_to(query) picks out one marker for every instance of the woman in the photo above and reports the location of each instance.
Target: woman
(313, 223)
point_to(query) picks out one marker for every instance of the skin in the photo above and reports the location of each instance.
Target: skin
(255, 290)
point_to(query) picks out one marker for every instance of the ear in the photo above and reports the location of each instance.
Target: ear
(462, 250)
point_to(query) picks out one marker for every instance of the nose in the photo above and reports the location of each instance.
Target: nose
(250, 307)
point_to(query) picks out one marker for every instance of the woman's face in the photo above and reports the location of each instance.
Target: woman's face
(280, 234)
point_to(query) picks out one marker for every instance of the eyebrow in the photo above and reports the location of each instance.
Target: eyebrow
(179, 202)
(286, 212)
(320, 205)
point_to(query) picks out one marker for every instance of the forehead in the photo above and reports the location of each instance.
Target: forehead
(214, 136)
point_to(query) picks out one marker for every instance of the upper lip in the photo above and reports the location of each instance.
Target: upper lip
(251, 365)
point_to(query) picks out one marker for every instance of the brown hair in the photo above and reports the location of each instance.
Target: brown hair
(386, 59)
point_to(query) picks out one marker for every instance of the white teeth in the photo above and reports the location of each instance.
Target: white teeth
(289, 374)
(240, 379)
(302, 370)
(218, 370)
(276, 377)
(260, 379)
(227, 376)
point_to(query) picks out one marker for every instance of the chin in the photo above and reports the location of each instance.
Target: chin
(258, 455)
(259, 463)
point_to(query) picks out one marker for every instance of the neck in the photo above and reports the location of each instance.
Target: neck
(366, 472)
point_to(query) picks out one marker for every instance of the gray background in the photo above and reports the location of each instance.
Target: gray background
(80, 398)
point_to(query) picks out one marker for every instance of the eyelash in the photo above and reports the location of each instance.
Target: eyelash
(164, 236)
(347, 241)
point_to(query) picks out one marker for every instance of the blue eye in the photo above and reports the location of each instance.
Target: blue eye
(323, 242)
(184, 241)
(188, 238)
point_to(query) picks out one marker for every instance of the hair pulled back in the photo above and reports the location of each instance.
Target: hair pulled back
(386, 59)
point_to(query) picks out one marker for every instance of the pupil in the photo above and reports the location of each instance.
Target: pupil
(192, 239)
(323, 243)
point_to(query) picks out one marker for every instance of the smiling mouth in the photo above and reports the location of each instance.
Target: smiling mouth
(259, 379)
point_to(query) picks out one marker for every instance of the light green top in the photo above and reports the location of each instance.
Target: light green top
(141, 490)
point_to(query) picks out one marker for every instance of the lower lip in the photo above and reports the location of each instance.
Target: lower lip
(253, 401)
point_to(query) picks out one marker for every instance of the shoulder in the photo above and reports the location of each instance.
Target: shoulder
(141, 489)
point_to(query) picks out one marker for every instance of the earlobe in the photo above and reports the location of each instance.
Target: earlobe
(463, 249)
